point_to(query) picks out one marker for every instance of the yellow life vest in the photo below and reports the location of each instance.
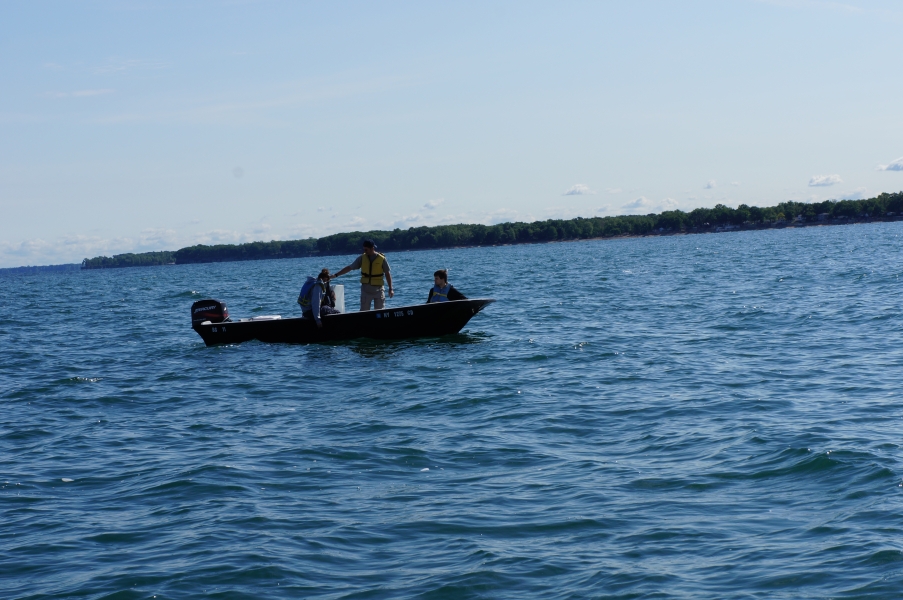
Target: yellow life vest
(372, 271)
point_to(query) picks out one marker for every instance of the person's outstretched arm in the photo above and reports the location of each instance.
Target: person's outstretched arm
(342, 272)
(352, 267)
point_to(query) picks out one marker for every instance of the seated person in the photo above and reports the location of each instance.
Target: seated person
(443, 291)
(329, 296)
(328, 307)
(320, 297)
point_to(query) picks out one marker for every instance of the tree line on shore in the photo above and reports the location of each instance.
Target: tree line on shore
(699, 220)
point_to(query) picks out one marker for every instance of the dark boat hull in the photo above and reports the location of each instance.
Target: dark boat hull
(419, 320)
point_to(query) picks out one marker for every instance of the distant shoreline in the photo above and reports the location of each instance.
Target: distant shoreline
(720, 219)
(737, 229)
(885, 207)
(30, 270)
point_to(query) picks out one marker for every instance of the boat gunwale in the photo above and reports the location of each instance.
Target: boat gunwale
(382, 327)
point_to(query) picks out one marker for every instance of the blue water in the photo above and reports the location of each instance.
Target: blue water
(704, 416)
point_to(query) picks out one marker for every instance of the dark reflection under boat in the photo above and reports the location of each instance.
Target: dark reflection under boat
(369, 348)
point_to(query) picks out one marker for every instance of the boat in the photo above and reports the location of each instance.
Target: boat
(210, 319)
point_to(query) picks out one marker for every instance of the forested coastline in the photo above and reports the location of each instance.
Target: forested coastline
(32, 270)
(700, 220)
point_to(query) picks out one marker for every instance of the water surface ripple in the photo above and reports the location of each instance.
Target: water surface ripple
(707, 416)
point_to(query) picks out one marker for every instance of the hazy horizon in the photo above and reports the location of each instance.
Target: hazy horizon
(145, 125)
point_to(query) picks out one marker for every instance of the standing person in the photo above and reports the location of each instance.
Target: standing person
(443, 291)
(374, 267)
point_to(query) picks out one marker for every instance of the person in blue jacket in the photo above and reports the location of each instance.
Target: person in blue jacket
(443, 291)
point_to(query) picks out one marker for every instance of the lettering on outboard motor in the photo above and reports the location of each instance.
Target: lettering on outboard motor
(209, 310)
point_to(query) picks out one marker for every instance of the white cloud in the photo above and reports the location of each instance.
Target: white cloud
(641, 205)
(612, 190)
(857, 194)
(501, 216)
(668, 204)
(504, 215)
(433, 204)
(564, 212)
(824, 180)
(710, 184)
(896, 165)
(214, 236)
(452, 219)
(735, 183)
(405, 221)
(303, 230)
(578, 190)
(644, 206)
(156, 239)
(73, 248)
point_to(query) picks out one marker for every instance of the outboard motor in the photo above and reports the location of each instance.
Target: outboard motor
(209, 310)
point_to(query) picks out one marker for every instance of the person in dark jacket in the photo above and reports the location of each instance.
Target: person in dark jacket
(443, 291)
(329, 293)
(323, 297)
(328, 307)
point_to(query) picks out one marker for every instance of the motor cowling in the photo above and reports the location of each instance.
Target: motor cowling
(209, 310)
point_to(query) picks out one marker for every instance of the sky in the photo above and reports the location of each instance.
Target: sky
(141, 125)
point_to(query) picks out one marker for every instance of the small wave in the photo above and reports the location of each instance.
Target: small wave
(883, 557)
(76, 380)
(188, 294)
(25, 435)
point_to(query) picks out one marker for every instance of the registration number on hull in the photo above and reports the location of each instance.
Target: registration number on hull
(397, 313)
